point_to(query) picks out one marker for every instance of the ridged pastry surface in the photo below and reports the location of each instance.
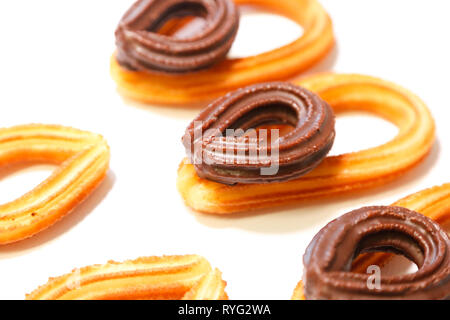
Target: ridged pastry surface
(336, 174)
(151, 278)
(82, 159)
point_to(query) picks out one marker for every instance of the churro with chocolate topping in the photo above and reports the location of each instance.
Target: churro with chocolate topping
(328, 259)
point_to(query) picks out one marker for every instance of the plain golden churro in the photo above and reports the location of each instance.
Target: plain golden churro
(83, 160)
(187, 277)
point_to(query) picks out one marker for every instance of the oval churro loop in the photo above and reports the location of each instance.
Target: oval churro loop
(141, 47)
(83, 160)
(329, 256)
(231, 74)
(336, 174)
(236, 157)
(151, 278)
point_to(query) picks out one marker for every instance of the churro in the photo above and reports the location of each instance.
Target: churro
(187, 277)
(83, 160)
(415, 236)
(329, 256)
(153, 86)
(335, 174)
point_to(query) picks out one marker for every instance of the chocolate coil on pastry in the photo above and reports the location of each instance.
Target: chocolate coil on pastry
(245, 158)
(328, 259)
(141, 47)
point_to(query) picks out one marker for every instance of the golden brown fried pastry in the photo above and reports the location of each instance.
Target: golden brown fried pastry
(83, 160)
(187, 277)
(336, 174)
(154, 86)
(210, 287)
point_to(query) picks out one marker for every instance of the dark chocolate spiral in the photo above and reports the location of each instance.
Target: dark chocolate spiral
(240, 159)
(140, 47)
(329, 256)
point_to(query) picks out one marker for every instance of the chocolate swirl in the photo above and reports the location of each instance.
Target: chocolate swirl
(329, 256)
(293, 154)
(140, 47)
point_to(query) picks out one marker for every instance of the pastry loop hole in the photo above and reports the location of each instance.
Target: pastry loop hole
(249, 42)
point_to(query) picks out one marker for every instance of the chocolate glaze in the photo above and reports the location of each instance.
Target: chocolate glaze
(140, 47)
(329, 256)
(300, 150)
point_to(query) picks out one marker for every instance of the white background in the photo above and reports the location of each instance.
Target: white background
(54, 68)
